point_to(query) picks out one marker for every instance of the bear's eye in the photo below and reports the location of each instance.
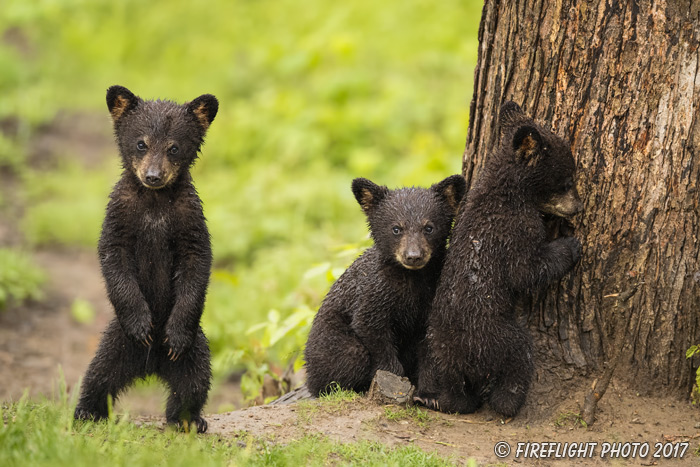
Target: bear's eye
(141, 146)
(174, 150)
(568, 185)
(428, 229)
(396, 229)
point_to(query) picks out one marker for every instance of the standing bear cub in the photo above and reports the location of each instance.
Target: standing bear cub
(498, 251)
(375, 313)
(155, 257)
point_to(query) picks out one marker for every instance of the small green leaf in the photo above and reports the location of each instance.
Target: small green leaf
(255, 328)
(82, 311)
(273, 316)
(336, 273)
(317, 270)
(225, 276)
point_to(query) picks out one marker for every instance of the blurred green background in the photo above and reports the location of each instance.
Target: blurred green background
(312, 94)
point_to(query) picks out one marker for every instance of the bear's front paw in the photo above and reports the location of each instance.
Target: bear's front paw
(177, 342)
(140, 330)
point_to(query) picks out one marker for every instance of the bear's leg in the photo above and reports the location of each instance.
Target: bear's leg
(427, 384)
(337, 358)
(508, 395)
(457, 396)
(410, 358)
(189, 380)
(509, 391)
(117, 362)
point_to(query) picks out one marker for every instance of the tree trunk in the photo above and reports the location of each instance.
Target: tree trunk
(621, 81)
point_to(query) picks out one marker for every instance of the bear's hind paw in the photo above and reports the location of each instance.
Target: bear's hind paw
(85, 414)
(197, 423)
(428, 402)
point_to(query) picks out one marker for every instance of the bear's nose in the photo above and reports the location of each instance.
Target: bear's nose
(413, 257)
(154, 178)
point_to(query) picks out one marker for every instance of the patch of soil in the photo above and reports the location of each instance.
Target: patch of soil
(38, 337)
(79, 136)
(622, 418)
(39, 341)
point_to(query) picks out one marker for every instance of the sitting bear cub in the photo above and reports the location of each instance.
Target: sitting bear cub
(498, 251)
(375, 314)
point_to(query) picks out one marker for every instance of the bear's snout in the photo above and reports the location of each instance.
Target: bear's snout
(154, 177)
(154, 171)
(567, 204)
(413, 253)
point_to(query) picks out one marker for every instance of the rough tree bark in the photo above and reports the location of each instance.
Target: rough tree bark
(621, 81)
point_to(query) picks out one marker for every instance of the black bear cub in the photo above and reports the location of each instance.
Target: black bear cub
(155, 257)
(498, 251)
(375, 313)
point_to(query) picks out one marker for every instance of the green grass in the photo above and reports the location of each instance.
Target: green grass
(338, 395)
(59, 211)
(41, 434)
(337, 399)
(569, 419)
(422, 418)
(20, 278)
(334, 402)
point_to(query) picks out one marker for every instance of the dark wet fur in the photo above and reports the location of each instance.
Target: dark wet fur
(499, 250)
(375, 314)
(155, 257)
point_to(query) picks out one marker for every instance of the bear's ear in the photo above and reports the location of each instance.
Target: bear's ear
(509, 115)
(527, 142)
(204, 108)
(368, 194)
(120, 100)
(452, 190)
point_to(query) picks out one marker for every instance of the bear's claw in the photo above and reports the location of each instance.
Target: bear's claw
(427, 402)
(84, 414)
(198, 422)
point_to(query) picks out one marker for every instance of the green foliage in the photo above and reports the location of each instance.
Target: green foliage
(337, 400)
(334, 402)
(20, 278)
(571, 419)
(282, 339)
(695, 391)
(276, 331)
(338, 395)
(66, 206)
(44, 434)
(10, 153)
(82, 311)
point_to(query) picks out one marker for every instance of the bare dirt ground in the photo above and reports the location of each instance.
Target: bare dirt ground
(38, 341)
(622, 418)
